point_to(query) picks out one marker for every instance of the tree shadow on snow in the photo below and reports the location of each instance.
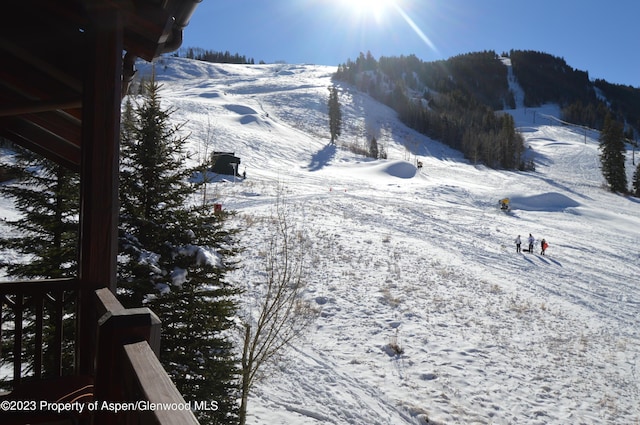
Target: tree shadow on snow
(321, 158)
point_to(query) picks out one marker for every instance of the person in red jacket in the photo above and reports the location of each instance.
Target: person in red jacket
(544, 245)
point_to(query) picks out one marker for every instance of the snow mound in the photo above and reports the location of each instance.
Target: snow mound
(241, 109)
(550, 201)
(247, 115)
(399, 169)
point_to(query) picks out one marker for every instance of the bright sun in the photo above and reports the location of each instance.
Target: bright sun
(362, 12)
(375, 8)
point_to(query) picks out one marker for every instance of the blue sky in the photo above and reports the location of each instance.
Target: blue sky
(600, 37)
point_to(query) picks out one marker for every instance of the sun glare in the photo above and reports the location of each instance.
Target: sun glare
(381, 12)
(375, 8)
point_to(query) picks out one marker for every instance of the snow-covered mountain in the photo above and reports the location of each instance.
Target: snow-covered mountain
(425, 259)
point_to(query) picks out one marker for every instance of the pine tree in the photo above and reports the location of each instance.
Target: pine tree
(196, 307)
(335, 115)
(373, 148)
(636, 181)
(174, 258)
(45, 235)
(47, 196)
(612, 156)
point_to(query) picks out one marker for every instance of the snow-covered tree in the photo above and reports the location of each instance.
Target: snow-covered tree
(174, 254)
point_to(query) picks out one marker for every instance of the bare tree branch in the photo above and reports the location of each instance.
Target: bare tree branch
(283, 313)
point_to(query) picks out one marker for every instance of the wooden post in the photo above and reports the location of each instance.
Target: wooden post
(99, 172)
(118, 327)
(107, 303)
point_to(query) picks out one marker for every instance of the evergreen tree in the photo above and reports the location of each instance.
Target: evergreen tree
(46, 236)
(335, 115)
(612, 155)
(373, 148)
(196, 307)
(636, 181)
(47, 196)
(174, 258)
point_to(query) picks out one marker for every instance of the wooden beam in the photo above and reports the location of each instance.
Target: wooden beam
(41, 141)
(35, 107)
(61, 124)
(99, 172)
(41, 65)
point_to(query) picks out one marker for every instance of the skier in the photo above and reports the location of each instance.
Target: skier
(531, 242)
(544, 245)
(518, 242)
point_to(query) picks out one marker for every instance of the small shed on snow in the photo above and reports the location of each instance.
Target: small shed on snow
(225, 163)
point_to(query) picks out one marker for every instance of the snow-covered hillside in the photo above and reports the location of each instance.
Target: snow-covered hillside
(425, 259)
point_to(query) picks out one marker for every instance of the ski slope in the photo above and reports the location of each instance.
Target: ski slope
(424, 259)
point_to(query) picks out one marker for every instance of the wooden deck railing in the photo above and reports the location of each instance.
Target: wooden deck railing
(128, 375)
(128, 372)
(37, 328)
(146, 381)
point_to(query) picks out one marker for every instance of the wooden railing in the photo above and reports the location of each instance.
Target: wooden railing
(130, 386)
(146, 381)
(128, 372)
(37, 329)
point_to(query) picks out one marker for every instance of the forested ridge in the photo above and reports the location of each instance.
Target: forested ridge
(458, 100)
